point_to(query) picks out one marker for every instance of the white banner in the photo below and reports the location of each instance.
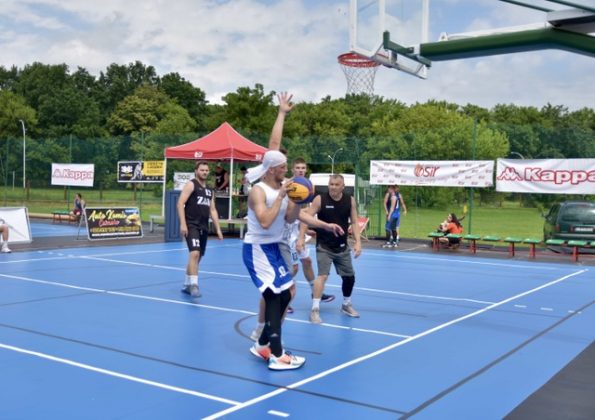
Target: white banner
(181, 178)
(546, 176)
(434, 173)
(74, 174)
(17, 220)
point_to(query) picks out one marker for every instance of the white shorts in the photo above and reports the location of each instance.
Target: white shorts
(267, 268)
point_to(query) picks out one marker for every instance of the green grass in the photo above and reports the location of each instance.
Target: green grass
(47, 200)
(500, 221)
(508, 220)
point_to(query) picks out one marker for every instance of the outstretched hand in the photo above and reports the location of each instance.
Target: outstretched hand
(285, 104)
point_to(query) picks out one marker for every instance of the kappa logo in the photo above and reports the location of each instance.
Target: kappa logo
(509, 174)
(547, 175)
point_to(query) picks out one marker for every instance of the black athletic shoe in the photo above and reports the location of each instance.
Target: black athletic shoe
(289, 310)
(327, 298)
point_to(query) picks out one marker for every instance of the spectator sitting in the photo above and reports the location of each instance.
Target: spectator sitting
(79, 206)
(451, 225)
(4, 235)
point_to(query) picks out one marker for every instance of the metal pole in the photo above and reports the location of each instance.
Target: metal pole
(473, 148)
(24, 154)
(333, 159)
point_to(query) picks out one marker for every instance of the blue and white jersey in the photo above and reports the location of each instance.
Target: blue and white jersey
(256, 233)
(266, 267)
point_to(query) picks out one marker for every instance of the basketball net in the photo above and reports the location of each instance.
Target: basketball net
(359, 72)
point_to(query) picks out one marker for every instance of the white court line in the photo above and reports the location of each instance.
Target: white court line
(464, 261)
(118, 374)
(305, 381)
(179, 302)
(483, 302)
(357, 288)
(277, 413)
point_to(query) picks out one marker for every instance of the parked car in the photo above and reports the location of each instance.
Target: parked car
(570, 220)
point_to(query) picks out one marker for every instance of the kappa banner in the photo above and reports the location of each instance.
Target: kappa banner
(113, 222)
(141, 171)
(434, 173)
(73, 174)
(546, 176)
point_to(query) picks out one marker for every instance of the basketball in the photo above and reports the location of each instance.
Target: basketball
(300, 190)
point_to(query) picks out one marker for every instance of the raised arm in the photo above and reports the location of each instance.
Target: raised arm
(285, 106)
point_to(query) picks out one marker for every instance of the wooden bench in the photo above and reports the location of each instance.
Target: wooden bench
(573, 243)
(473, 241)
(232, 222)
(58, 216)
(576, 244)
(153, 221)
(532, 242)
(435, 239)
(512, 241)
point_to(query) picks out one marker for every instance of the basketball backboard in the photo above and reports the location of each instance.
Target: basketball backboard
(403, 23)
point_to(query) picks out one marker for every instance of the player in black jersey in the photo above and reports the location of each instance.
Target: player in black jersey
(338, 207)
(195, 205)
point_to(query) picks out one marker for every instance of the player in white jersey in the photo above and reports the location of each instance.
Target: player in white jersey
(268, 211)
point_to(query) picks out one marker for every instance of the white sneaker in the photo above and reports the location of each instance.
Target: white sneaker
(255, 335)
(286, 362)
(315, 316)
(348, 310)
(194, 292)
(5, 249)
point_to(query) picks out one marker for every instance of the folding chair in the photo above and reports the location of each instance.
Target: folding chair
(362, 223)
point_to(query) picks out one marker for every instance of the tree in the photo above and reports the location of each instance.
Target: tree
(69, 112)
(119, 81)
(249, 110)
(189, 97)
(12, 109)
(38, 80)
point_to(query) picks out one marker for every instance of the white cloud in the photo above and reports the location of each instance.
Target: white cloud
(283, 44)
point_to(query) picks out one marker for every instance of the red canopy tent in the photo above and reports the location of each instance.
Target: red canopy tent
(224, 143)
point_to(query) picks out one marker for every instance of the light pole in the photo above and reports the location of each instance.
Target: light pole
(332, 158)
(24, 154)
(518, 154)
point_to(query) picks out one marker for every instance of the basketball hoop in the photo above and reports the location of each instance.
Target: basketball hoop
(359, 72)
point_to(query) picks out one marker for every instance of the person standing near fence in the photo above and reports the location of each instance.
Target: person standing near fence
(393, 202)
(195, 205)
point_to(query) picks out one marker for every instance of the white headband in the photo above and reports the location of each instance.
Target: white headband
(271, 159)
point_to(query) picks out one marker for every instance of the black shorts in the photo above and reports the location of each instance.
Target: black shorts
(197, 239)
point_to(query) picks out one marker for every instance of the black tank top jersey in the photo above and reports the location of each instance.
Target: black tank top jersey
(198, 206)
(338, 212)
(220, 178)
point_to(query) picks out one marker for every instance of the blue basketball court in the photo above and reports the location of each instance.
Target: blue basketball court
(104, 332)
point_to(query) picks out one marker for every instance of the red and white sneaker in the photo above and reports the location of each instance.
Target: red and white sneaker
(262, 352)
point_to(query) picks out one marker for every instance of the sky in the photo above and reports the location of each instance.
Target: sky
(287, 45)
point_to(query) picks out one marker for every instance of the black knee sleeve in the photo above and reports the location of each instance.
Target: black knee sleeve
(347, 286)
